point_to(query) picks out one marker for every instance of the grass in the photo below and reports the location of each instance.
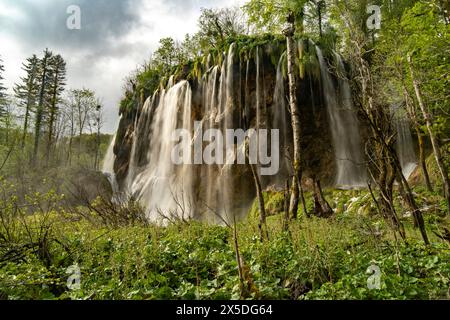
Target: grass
(316, 259)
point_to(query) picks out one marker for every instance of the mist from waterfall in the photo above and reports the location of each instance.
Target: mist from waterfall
(344, 126)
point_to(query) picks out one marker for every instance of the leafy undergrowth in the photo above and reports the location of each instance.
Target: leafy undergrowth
(315, 259)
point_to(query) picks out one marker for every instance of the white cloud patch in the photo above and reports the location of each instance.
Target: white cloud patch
(115, 37)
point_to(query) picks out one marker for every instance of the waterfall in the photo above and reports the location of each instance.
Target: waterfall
(210, 111)
(224, 187)
(164, 188)
(404, 142)
(281, 118)
(108, 166)
(237, 93)
(280, 108)
(344, 128)
(108, 161)
(259, 89)
(142, 127)
(161, 186)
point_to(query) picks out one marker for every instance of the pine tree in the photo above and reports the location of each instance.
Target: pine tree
(26, 92)
(44, 85)
(57, 83)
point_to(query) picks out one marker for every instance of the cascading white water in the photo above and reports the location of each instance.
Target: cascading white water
(156, 184)
(344, 125)
(227, 104)
(212, 191)
(404, 143)
(281, 119)
(108, 166)
(259, 89)
(108, 161)
(142, 129)
(280, 112)
(161, 186)
(210, 103)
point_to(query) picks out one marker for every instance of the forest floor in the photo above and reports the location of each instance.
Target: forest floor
(352, 255)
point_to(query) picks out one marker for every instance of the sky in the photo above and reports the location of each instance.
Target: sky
(115, 37)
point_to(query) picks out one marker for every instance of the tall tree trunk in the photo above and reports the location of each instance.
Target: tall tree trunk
(410, 107)
(295, 114)
(8, 123)
(434, 141)
(69, 153)
(408, 195)
(293, 203)
(239, 260)
(319, 13)
(40, 109)
(322, 207)
(72, 132)
(286, 206)
(262, 210)
(376, 118)
(52, 116)
(79, 144)
(302, 197)
(25, 124)
(422, 159)
(385, 185)
(97, 150)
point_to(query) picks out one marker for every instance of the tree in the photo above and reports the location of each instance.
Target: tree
(413, 115)
(26, 92)
(434, 141)
(80, 108)
(167, 55)
(270, 15)
(267, 15)
(413, 48)
(6, 107)
(69, 107)
(44, 69)
(57, 83)
(385, 165)
(425, 48)
(7, 117)
(390, 57)
(166, 51)
(219, 25)
(3, 95)
(191, 46)
(320, 7)
(62, 132)
(295, 115)
(97, 123)
(289, 32)
(85, 104)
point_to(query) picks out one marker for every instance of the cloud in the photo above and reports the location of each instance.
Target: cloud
(115, 37)
(44, 22)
